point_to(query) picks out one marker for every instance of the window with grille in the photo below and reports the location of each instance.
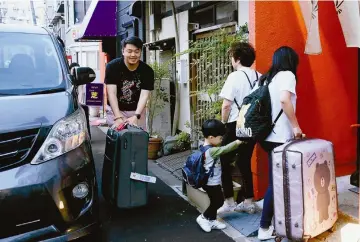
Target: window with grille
(210, 66)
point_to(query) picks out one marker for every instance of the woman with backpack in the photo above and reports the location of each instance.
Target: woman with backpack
(281, 79)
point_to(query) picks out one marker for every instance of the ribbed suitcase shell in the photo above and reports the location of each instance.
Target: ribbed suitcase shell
(305, 192)
(126, 151)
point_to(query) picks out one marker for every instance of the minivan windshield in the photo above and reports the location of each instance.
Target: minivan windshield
(29, 64)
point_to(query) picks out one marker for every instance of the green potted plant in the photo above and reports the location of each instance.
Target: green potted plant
(183, 141)
(155, 106)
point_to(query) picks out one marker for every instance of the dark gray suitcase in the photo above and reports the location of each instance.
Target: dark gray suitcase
(126, 151)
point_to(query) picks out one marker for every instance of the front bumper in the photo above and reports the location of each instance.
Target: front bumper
(52, 234)
(36, 201)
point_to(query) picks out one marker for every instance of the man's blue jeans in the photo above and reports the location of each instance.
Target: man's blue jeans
(268, 207)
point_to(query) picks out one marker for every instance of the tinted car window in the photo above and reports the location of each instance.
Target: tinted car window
(28, 63)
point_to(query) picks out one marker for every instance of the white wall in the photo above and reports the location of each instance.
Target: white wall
(168, 31)
(243, 12)
(162, 122)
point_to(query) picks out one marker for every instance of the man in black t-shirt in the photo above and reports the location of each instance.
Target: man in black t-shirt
(129, 82)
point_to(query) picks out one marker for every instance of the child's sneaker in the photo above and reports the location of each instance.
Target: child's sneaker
(249, 208)
(226, 208)
(204, 223)
(264, 234)
(215, 224)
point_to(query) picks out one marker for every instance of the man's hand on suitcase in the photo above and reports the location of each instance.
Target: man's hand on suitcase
(118, 122)
(132, 121)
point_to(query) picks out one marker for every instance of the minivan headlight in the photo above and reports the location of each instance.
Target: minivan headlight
(66, 134)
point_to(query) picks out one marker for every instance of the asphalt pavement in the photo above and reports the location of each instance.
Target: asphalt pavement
(166, 217)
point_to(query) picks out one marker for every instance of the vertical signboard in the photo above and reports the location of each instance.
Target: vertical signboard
(94, 94)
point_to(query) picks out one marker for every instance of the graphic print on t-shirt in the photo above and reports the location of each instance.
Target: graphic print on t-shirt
(130, 89)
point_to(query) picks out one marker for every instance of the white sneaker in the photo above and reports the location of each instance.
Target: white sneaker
(204, 223)
(264, 234)
(226, 208)
(249, 208)
(215, 224)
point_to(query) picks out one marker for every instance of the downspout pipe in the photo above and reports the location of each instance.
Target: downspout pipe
(177, 92)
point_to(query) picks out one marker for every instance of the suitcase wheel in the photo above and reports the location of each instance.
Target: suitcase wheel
(278, 239)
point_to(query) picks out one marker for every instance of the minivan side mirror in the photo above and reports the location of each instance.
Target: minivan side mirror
(83, 75)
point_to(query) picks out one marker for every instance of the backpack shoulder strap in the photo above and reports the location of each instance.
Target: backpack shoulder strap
(277, 117)
(236, 103)
(203, 149)
(251, 86)
(257, 78)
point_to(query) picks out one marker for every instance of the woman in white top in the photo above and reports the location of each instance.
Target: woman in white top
(282, 79)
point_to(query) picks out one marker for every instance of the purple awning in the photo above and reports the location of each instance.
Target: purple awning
(99, 22)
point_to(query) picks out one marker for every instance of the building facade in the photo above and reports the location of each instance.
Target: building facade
(84, 53)
(22, 12)
(55, 16)
(195, 19)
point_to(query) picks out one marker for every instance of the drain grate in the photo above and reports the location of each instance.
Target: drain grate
(246, 224)
(174, 163)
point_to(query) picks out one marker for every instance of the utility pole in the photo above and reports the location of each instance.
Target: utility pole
(33, 11)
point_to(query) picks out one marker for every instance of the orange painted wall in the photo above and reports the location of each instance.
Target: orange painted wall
(327, 83)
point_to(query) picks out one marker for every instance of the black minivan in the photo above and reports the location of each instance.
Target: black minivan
(48, 186)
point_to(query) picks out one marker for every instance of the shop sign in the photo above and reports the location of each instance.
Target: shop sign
(94, 94)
